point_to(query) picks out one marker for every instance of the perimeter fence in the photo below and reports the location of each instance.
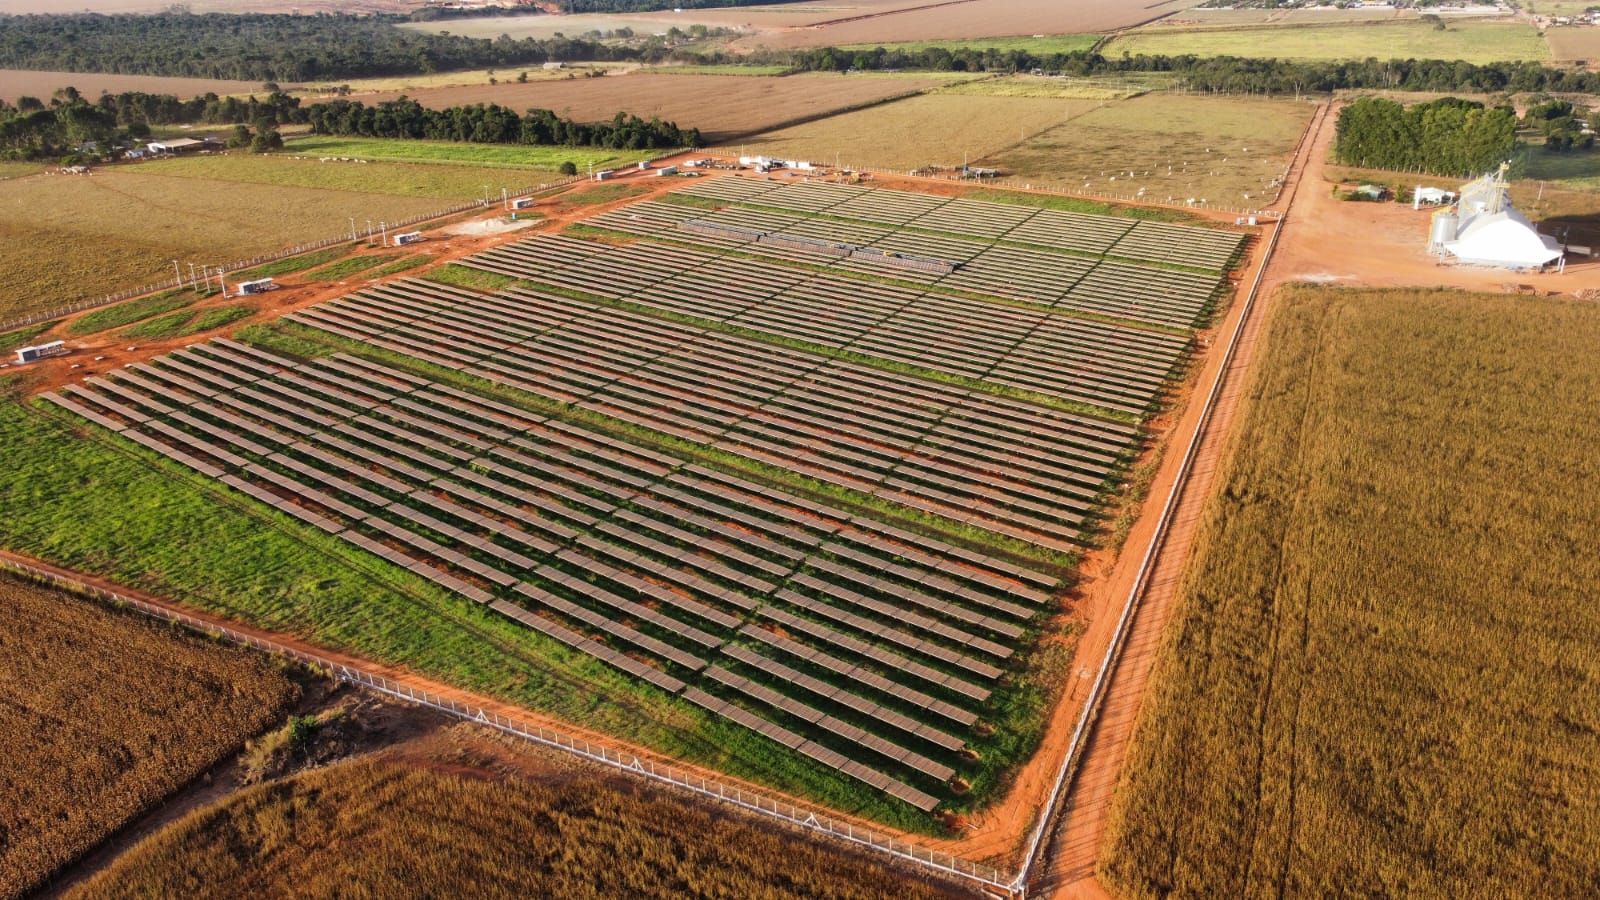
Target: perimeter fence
(785, 811)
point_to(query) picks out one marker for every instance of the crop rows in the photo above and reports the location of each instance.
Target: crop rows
(1139, 293)
(1109, 366)
(1006, 466)
(857, 644)
(1128, 239)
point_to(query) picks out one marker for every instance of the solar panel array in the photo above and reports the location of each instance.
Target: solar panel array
(1011, 467)
(1137, 292)
(1124, 238)
(1117, 368)
(699, 582)
(874, 651)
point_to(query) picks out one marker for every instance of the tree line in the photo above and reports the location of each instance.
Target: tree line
(318, 48)
(493, 124)
(269, 47)
(1224, 74)
(1447, 137)
(32, 129)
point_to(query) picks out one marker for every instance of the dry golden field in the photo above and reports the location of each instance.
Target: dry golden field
(458, 827)
(930, 20)
(68, 238)
(16, 83)
(1574, 44)
(719, 105)
(1228, 150)
(929, 129)
(104, 715)
(1381, 675)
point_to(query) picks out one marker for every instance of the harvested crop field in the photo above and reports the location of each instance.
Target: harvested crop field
(106, 714)
(1574, 44)
(16, 83)
(1224, 149)
(935, 21)
(720, 106)
(123, 226)
(1475, 42)
(457, 824)
(1382, 669)
(903, 135)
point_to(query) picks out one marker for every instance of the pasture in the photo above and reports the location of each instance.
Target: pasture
(455, 824)
(1381, 672)
(1227, 150)
(1474, 42)
(720, 106)
(65, 239)
(105, 715)
(928, 129)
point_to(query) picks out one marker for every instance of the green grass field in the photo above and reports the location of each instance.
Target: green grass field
(185, 322)
(128, 311)
(1475, 42)
(544, 160)
(1381, 676)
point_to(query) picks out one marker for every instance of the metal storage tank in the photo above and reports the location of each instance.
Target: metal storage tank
(1445, 226)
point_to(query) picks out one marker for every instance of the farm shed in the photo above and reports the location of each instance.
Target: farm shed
(1433, 196)
(180, 145)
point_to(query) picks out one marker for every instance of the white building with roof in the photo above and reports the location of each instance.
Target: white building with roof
(1484, 229)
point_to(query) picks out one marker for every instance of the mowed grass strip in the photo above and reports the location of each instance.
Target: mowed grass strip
(539, 159)
(457, 824)
(1474, 42)
(1382, 674)
(105, 714)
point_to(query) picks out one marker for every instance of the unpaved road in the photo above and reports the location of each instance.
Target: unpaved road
(1067, 868)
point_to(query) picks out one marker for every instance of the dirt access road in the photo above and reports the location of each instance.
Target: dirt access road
(1067, 868)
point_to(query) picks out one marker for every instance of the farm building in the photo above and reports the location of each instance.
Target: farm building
(42, 351)
(179, 145)
(1432, 197)
(1484, 229)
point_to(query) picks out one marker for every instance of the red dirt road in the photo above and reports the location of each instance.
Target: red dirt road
(1068, 866)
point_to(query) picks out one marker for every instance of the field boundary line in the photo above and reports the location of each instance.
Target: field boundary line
(1097, 690)
(791, 814)
(285, 253)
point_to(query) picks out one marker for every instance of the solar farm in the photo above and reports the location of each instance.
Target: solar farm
(984, 368)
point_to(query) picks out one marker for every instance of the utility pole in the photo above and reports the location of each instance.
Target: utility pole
(352, 228)
(177, 273)
(505, 198)
(369, 228)
(385, 230)
(191, 275)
